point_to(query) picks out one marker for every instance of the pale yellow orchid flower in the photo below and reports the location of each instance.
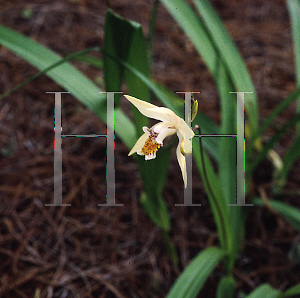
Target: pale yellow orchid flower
(153, 137)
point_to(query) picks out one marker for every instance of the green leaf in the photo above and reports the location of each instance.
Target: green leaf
(290, 213)
(171, 248)
(229, 53)
(154, 173)
(289, 159)
(125, 41)
(268, 121)
(191, 281)
(217, 49)
(292, 291)
(294, 11)
(128, 44)
(262, 154)
(138, 59)
(215, 196)
(152, 23)
(157, 211)
(212, 45)
(265, 290)
(91, 60)
(131, 38)
(292, 153)
(118, 35)
(226, 287)
(69, 78)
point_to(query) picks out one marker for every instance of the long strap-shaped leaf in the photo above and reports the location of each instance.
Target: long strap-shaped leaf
(227, 78)
(191, 281)
(68, 77)
(290, 213)
(264, 290)
(231, 57)
(294, 11)
(211, 40)
(124, 41)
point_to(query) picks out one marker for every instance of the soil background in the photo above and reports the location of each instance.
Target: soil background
(90, 251)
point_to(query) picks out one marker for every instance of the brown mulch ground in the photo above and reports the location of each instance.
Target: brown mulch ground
(88, 251)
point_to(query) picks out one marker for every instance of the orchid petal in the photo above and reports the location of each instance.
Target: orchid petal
(150, 110)
(139, 144)
(164, 113)
(181, 161)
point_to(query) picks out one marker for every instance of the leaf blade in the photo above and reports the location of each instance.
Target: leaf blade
(190, 282)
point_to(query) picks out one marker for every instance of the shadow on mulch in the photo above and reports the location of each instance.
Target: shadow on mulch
(90, 251)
